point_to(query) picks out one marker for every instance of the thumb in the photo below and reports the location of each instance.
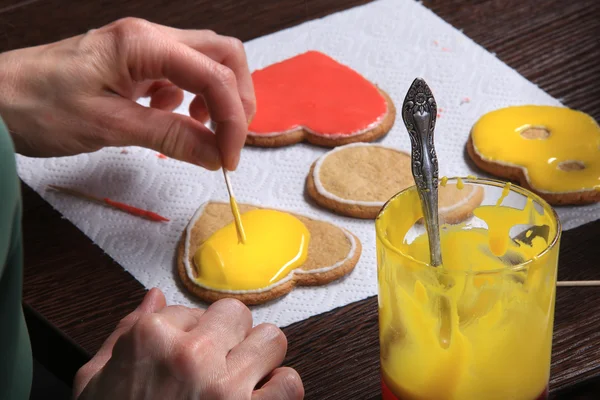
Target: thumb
(154, 301)
(175, 135)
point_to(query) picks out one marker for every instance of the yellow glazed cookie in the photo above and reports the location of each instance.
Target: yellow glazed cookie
(553, 151)
(281, 251)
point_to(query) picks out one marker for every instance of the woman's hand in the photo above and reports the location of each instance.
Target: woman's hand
(78, 95)
(176, 352)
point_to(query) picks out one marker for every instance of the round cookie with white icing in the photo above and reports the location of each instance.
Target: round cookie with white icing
(312, 97)
(357, 179)
(553, 151)
(332, 253)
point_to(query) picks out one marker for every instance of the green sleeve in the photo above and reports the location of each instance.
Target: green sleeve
(15, 349)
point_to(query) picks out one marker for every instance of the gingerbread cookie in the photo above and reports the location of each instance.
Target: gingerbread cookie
(357, 179)
(327, 253)
(553, 151)
(311, 97)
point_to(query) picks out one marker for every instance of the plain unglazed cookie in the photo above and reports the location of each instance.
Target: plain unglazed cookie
(552, 151)
(332, 253)
(312, 97)
(357, 179)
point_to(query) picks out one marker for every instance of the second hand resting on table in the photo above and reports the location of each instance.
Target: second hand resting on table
(79, 95)
(190, 353)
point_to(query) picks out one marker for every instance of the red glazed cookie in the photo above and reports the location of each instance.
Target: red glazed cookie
(311, 97)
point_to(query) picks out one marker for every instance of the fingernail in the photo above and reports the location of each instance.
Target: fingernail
(234, 162)
(208, 157)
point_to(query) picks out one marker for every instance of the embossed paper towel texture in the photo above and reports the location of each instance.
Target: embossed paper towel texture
(390, 42)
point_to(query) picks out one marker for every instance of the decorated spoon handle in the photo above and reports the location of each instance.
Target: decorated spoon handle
(419, 112)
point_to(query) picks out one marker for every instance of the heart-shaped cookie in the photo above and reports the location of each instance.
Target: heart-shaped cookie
(313, 97)
(554, 151)
(332, 253)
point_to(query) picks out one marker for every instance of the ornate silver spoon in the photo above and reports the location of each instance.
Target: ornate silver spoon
(419, 112)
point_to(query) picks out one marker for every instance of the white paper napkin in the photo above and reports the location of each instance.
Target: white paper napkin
(390, 42)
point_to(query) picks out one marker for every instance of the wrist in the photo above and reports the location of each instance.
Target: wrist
(15, 107)
(9, 67)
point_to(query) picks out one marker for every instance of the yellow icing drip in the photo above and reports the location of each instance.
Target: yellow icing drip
(573, 136)
(276, 243)
(505, 192)
(444, 180)
(241, 234)
(499, 221)
(472, 328)
(459, 183)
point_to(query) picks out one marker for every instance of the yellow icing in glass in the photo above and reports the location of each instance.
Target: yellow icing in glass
(472, 328)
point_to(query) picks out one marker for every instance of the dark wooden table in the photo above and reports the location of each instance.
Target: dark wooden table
(74, 294)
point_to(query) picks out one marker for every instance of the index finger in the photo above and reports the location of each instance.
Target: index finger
(225, 50)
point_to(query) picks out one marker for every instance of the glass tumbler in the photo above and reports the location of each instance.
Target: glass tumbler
(480, 325)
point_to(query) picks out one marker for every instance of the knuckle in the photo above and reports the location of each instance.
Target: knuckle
(236, 45)
(273, 335)
(199, 344)
(125, 34)
(192, 349)
(131, 25)
(126, 31)
(185, 359)
(148, 329)
(173, 138)
(208, 32)
(225, 76)
(173, 127)
(233, 306)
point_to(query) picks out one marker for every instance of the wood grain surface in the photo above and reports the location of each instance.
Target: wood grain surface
(73, 287)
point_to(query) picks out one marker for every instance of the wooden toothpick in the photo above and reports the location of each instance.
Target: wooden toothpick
(577, 283)
(235, 210)
(138, 212)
